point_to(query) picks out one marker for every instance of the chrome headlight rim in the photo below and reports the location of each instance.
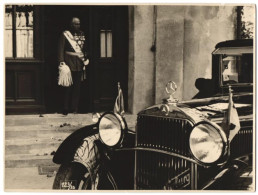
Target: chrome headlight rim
(123, 128)
(224, 139)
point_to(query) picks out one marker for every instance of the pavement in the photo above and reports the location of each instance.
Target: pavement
(25, 179)
(31, 140)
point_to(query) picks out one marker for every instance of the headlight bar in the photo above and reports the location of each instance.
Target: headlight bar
(208, 143)
(111, 127)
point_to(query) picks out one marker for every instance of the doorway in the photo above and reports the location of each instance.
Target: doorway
(106, 29)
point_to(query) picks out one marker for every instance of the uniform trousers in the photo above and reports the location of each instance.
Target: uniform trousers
(72, 93)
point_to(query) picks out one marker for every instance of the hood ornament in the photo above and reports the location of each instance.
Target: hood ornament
(171, 88)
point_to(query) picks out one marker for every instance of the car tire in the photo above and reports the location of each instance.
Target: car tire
(72, 176)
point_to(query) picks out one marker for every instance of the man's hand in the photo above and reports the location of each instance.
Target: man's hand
(86, 62)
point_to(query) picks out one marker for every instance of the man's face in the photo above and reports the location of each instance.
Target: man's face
(75, 24)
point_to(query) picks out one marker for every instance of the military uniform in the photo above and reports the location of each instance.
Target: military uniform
(72, 50)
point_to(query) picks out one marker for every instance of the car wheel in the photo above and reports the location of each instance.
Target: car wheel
(72, 176)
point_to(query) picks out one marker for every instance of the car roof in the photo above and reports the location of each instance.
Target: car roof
(235, 43)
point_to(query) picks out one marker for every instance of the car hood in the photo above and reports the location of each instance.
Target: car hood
(212, 109)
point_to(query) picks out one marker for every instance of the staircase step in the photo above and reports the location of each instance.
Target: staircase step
(31, 140)
(24, 120)
(58, 119)
(22, 161)
(31, 146)
(12, 135)
(21, 142)
(49, 170)
(36, 131)
(60, 127)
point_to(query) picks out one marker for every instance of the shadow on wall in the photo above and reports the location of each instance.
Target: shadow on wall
(205, 87)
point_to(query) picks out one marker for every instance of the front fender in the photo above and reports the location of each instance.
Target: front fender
(233, 169)
(66, 151)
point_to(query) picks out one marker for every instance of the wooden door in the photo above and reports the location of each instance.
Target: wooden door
(57, 20)
(109, 58)
(106, 29)
(24, 59)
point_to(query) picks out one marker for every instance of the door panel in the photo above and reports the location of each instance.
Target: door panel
(110, 54)
(26, 87)
(23, 84)
(10, 86)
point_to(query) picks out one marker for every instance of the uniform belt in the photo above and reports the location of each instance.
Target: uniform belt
(74, 53)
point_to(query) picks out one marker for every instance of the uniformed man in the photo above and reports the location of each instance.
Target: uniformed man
(72, 52)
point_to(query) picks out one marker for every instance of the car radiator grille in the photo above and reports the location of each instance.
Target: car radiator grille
(156, 137)
(243, 141)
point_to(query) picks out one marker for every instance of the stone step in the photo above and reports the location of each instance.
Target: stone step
(30, 140)
(55, 119)
(37, 131)
(29, 160)
(21, 142)
(60, 127)
(32, 146)
(14, 135)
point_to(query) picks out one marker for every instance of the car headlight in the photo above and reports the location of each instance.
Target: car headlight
(111, 129)
(207, 143)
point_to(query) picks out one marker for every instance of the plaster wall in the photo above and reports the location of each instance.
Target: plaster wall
(204, 27)
(170, 47)
(141, 59)
(185, 39)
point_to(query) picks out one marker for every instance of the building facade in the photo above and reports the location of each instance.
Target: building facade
(141, 46)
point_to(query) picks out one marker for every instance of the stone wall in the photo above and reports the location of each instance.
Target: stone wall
(141, 59)
(185, 39)
(204, 27)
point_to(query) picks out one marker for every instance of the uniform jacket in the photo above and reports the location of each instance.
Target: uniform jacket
(74, 62)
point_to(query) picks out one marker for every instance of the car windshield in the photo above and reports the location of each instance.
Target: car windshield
(236, 69)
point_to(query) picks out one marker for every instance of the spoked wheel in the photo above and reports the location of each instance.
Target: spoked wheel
(86, 182)
(72, 176)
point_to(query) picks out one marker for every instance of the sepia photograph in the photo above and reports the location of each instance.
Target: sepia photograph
(129, 97)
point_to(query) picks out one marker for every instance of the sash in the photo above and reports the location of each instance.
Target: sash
(75, 46)
(77, 50)
(71, 40)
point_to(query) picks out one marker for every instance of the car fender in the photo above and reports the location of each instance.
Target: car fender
(83, 147)
(231, 170)
(66, 151)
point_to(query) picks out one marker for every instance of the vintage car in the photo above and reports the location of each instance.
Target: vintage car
(177, 145)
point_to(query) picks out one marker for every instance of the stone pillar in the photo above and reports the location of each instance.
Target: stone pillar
(141, 58)
(170, 46)
(131, 59)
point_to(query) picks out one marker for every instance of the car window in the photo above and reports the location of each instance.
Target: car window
(236, 69)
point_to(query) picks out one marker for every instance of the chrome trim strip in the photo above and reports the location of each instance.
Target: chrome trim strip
(112, 181)
(135, 157)
(195, 176)
(163, 152)
(192, 176)
(135, 170)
